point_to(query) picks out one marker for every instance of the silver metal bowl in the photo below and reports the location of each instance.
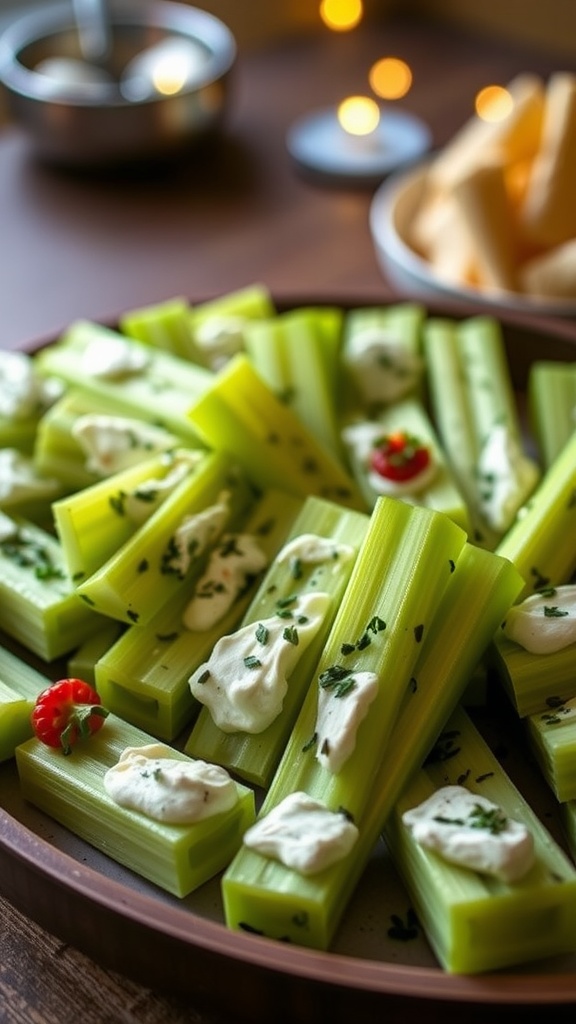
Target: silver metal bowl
(100, 127)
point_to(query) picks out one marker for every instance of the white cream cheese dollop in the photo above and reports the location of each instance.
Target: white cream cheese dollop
(471, 831)
(23, 392)
(113, 443)
(197, 532)
(219, 337)
(151, 780)
(382, 368)
(313, 549)
(303, 834)
(19, 480)
(506, 478)
(360, 439)
(545, 622)
(244, 682)
(110, 356)
(236, 558)
(140, 503)
(341, 709)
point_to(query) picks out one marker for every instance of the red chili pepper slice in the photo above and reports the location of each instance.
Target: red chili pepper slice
(399, 457)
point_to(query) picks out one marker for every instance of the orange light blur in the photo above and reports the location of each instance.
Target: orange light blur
(390, 78)
(359, 115)
(341, 15)
(493, 103)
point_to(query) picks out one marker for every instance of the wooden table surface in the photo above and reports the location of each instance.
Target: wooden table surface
(90, 246)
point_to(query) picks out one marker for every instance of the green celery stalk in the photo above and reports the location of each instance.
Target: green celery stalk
(218, 325)
(552, 739)
(296, 353)
(533, 682)
(552, 406)
(143, 677)
(81, 663)
(163, 391)
(92, 524)
(164, 325)
(241, 415)
(178, 858)
(443, 494)
(20, 684)
(254, 757)
(261, 895)
(138, 579)
(474, 922)
(39, 605)
(542, 541)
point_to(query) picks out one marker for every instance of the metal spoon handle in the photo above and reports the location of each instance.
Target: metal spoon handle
(93, 29)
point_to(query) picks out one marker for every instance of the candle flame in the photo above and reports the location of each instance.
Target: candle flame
(341, 15)
(390, 78)
(171, 74)
(493, 103)
(359, 115)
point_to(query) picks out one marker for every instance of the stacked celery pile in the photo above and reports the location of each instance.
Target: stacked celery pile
(211, 472)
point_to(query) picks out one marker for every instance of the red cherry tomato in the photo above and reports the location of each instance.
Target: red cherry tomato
(399, 457)
(68, 710)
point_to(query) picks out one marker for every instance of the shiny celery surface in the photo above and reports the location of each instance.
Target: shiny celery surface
(475, 922)
(39, 605)
(164, 325)
(241, 307)
(70, 789)
(443, 494)
(241, 414)
(138, 579)
(162, 392)
(262, 895)
(92, 523)
(542, 540)
(143, 677)
(81, 663)
(20, 684)
(551, 405)
(296, 353)
(533, 682)
(552, 738)
(254, 757)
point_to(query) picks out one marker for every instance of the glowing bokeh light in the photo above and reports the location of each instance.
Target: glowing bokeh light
(171, 74)
(390, 78)
(493, 103)
(359, 115)
(341, 15)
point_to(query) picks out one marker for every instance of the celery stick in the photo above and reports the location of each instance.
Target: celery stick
(58, 452)
(94, 522)
(143, 677)
(25, 491)
(542, 541)
(552, 406)
(20, 684)
(218, 325)
(475, 411)
(254, 756)
(533, 682)
(381, 356)
(407, 416)
(264, 896)
(296, 353)
(38, 603)
(178, 858)
(475, 922)
(552, 739)
(82, 662)
(20, 434)
(164, 325)
(240, 414)
(150, 567)
(161, 388)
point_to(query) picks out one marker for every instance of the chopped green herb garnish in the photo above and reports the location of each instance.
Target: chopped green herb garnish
(261, 633)
(251, 661)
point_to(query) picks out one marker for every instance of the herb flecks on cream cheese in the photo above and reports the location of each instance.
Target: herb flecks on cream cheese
(113, 443)
(467, 829)
(149, 779)
(140, 503)
(382, 369)
(110, 357)
(236, 560)
(313, 549)
(506, 478)
(244, 682)
(544, 622)
(196, 533)
(343, 701)
(303, 834)
(22, 392)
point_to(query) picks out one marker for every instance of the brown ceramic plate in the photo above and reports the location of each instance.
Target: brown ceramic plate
(183, 946)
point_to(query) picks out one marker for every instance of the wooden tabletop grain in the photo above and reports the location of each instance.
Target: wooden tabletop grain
(94, 246)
